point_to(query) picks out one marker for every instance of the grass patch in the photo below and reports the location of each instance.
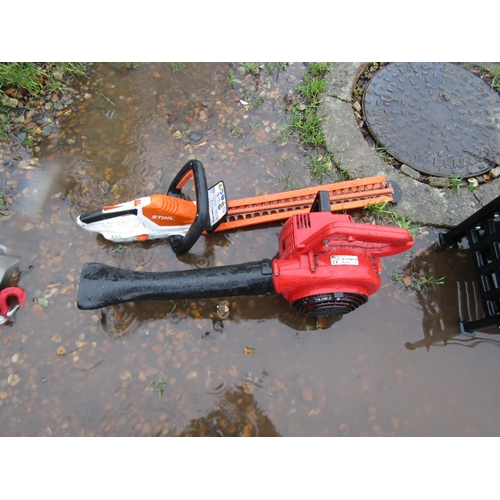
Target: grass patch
(382, 210)
(416, 281)
(24, 83)
(27, 78)
(301, 122)
(304, 121)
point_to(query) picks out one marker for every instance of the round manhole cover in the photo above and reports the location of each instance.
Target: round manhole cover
(438, 118)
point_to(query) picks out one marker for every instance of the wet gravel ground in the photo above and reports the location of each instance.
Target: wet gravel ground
(220, 367)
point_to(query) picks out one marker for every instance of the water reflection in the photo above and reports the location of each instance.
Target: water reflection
(237, 414)
(444, 305)
(126, 319)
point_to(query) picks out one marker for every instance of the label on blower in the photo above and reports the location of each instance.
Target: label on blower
(344, 260)
(217, 204)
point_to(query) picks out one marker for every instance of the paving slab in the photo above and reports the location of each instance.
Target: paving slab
(420, 202)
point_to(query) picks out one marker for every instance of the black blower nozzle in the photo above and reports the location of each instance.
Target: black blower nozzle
(102, 285)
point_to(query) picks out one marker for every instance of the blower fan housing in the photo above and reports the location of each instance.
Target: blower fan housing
(329, 265)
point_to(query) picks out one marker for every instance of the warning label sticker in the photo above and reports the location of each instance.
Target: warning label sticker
(217, 203)
(344, 260)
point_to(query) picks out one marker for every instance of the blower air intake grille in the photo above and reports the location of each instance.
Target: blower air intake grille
(329, 304)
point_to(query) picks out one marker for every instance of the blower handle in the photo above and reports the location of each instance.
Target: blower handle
(102, 285)
(192, 169)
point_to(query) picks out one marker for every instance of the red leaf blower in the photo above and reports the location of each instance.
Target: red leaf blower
(328, 266)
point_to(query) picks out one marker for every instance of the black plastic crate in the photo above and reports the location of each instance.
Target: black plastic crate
(482, 232)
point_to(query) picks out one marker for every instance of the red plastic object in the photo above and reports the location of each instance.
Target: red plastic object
(5, 294)
(325, 253)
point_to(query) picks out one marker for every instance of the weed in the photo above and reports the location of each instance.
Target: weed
(258, 101)
(378, 208)
(344, 173)
(381, 209)
(404, 223)
(252, 69)
(289, 181)
(236, 131)
(357, 91)
(231, 80)
(423, 281)
(185, 134)
(495, 81)
(271, 66)
(159, 385)
(27, 141)
(5, 126)
(307, 125)
(72, 69)
(494, 74)
(247, 94)
(311, 87)
(473, 185)
(257, 126)
(455, 183)
(383, 153)
(107, 99)
(320, 167)
(177, 66)
(416, 281)
(118, 248)
(318, 69)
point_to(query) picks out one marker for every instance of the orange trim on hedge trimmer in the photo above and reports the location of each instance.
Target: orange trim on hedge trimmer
(346, 195)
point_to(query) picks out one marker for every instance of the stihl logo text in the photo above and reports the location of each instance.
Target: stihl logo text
(163, 217)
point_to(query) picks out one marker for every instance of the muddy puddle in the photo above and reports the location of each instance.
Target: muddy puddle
(396, 366)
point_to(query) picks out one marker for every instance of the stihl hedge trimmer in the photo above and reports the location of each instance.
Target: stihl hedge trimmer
(184, 221)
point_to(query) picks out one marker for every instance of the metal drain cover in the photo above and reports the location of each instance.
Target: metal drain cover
(438, 118)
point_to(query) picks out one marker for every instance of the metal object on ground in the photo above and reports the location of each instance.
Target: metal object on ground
(7, 265)
(482, 231)
(438, 118)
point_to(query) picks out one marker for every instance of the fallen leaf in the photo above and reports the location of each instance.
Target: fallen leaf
(407, 281)
(249, 350)
(61, 350)
(42, 301)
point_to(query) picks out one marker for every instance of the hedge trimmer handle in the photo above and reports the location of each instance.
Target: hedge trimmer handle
(193, 169)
